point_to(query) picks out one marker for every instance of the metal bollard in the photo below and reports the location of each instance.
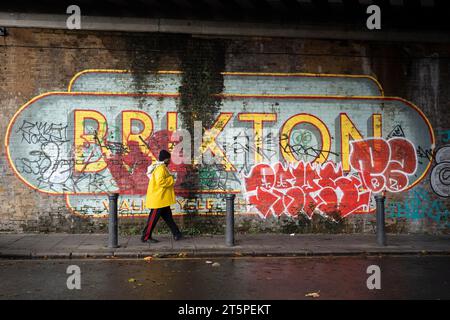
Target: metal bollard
(229, 232)
(113, 225)
(381, 234)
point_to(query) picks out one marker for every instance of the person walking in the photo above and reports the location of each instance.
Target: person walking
(160, 196)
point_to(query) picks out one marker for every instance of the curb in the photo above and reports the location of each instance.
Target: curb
(207, 254)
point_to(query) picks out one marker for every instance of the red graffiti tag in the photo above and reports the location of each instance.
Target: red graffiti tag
(308, 187)
(384, 165)
(303, 189)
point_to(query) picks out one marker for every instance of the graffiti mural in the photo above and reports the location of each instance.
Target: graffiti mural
(284, 143)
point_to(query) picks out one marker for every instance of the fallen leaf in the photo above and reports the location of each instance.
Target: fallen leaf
(207, 261)
(148, 258)
(182, 254)
(216, 264)
(131, 280)
(238, 253)
(313, 294)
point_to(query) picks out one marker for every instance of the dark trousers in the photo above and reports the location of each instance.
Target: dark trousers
(153, 218)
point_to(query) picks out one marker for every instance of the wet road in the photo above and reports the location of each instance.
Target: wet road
(402, 277)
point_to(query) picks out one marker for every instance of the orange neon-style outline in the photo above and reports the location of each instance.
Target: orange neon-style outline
(161, 72)
(229, 96)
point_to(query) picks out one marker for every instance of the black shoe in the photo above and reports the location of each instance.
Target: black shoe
(178, 237)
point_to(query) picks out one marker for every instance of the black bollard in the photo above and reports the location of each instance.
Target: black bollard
(229, 232)
(381, 234)
(113, 225)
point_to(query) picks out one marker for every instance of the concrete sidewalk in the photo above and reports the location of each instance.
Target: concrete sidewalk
(41, 246)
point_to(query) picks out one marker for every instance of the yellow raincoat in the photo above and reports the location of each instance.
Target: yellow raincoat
(160, 191)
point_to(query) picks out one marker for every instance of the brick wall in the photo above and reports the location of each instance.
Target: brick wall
(36, 62)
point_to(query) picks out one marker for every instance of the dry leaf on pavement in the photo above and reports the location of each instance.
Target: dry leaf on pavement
(313, 294)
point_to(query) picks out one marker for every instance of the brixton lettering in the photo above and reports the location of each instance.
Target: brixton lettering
(348, 132)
